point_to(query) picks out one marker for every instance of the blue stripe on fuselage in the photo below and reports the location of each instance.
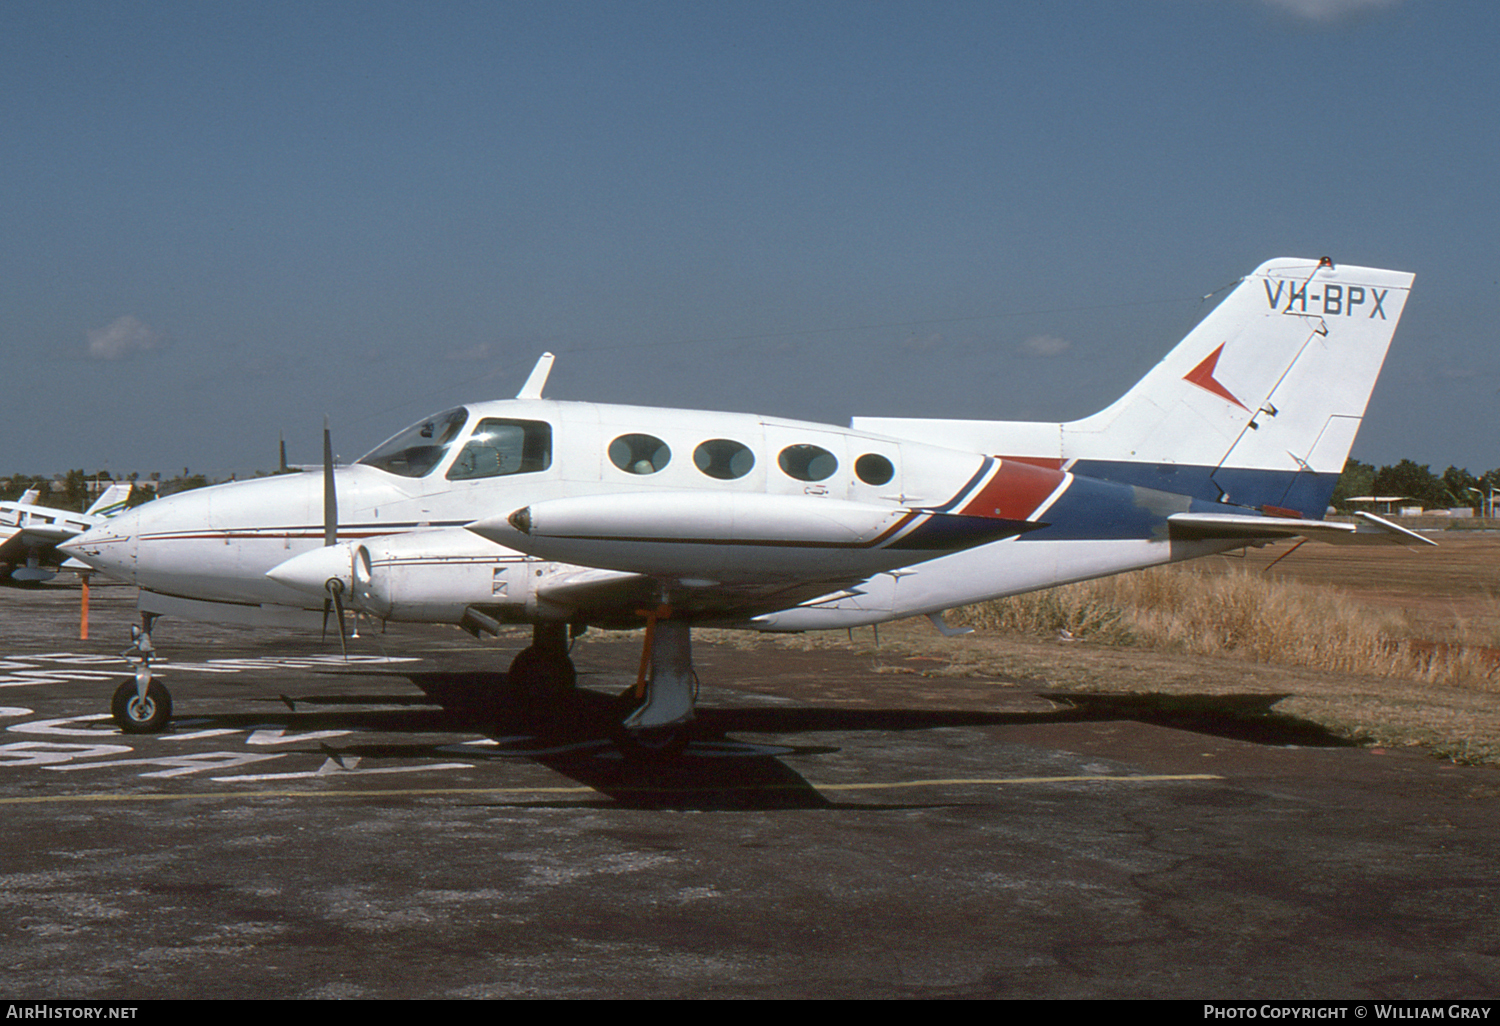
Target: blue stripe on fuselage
(1093, 509)
(1105, 511)
(1304, 491)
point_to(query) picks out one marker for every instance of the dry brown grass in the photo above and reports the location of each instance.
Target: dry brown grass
(1244, 615)
(1422, 624)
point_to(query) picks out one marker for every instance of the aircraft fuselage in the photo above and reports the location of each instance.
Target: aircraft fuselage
(758, 499)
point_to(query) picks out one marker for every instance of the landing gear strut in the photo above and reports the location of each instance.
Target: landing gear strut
(144, 705)
(658, 707)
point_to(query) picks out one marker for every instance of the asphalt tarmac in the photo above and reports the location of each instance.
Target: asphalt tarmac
(395, 827)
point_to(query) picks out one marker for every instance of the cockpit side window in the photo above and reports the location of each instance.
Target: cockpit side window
(420, 447)
(500, 447)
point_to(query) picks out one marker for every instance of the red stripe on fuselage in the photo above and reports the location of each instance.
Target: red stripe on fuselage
(1015, 492)
(1046, 462)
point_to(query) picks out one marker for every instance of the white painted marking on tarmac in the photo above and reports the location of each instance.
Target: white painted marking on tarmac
(464, 747)
(12, 711)
(268, 734)
(320, 772)
(51, 753)
(179, 765)
(196, 734)
(34, 674)
(53, 726)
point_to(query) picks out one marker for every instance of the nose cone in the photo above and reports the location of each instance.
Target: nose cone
(109, 548)
(311, 571)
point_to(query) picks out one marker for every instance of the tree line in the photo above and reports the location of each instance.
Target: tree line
(75, 494)
(1451, 489)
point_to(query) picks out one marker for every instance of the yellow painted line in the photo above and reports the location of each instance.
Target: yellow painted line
(411, 792)
(1002, 781)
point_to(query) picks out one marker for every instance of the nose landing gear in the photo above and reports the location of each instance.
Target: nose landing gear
(143, 705)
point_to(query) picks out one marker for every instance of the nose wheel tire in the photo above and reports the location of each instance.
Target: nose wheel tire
(135, 714)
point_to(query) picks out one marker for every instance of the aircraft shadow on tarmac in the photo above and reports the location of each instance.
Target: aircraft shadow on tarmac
(718, 771)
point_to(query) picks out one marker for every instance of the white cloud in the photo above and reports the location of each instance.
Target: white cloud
(122, 337)
(1330, 10)
(473, 353)
(1046, 345)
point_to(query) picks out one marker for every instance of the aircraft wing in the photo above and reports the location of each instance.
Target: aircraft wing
(618, 598)
(12, 548)
(1252, 529)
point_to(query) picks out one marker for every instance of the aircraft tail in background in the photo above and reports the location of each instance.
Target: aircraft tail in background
(113, 500)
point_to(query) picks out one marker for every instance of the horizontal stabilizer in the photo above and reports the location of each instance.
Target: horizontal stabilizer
(1233, 526)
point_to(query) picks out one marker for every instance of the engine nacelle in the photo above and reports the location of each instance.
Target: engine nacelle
(426, 576)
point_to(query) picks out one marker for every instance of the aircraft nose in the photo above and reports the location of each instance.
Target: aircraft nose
(109, 548)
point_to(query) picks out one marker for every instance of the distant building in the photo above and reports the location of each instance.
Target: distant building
(1384, 504)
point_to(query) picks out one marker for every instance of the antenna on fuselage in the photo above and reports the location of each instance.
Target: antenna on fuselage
(538, 380)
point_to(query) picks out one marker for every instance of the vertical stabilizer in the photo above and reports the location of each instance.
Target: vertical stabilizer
(1276, 378)
(1257, 406)
(112, 501)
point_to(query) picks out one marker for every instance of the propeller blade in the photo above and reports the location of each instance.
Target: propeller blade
(336, 597)
(334, 586)
(330, 495)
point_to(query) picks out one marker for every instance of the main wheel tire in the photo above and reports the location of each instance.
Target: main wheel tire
(136, 715)
(541, 676)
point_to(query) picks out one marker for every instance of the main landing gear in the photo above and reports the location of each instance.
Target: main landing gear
(143, 705)
(653, 713)
(543, 674)
(658, 707)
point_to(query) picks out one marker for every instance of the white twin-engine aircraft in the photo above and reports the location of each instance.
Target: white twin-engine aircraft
(30, 534)
(569, 515)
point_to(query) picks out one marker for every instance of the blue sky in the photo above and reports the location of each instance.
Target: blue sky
(223, 220)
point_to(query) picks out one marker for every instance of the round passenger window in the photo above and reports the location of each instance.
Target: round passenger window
(639, 454)
(874, 469)
(723, 459)
(807, 462)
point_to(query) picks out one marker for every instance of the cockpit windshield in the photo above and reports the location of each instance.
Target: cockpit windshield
(420, 447)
